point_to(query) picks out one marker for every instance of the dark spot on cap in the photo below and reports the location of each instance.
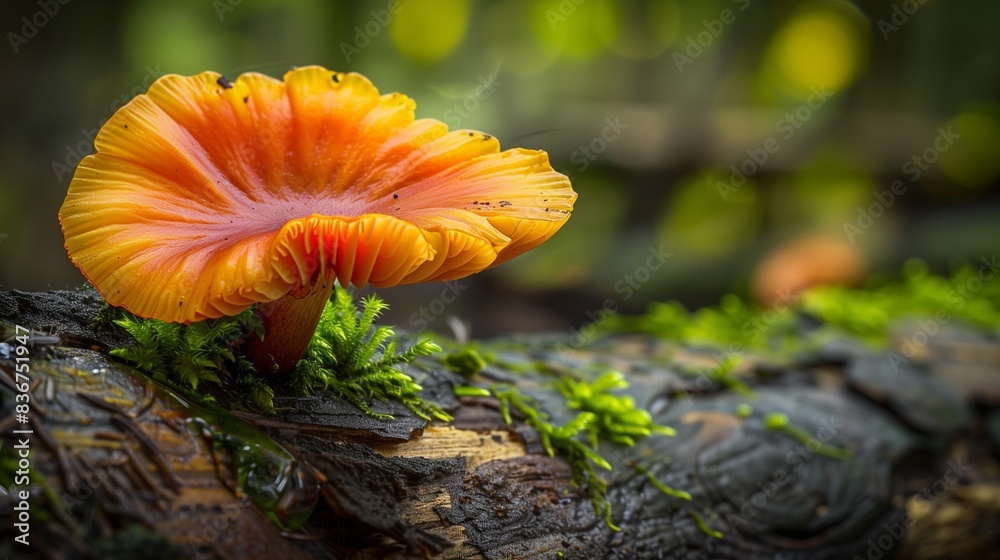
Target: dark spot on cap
(245, 99)
(486, 137)
(336, 78)
(395, 196)
(471, 134)
(126, 126)
(180, 303)
(504, 203)
(222, 81)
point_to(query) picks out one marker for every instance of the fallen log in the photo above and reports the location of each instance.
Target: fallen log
(838, 453)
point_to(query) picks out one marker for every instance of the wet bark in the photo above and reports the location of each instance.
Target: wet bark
(122, 466)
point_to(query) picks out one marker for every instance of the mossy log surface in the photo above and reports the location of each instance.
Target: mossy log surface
(124, 467)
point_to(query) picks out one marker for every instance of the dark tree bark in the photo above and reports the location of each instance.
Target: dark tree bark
(124, 467)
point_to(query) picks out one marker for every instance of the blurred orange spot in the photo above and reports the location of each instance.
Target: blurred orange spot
(804, 262)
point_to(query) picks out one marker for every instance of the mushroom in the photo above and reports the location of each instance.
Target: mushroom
(804, 262)
(207, 196)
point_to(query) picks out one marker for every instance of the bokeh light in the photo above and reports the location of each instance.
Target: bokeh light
(151, 31)
(427, 32)
(974, 160)
(665, 20)
(710, 215)
(551, 75)
(577, 30)
(824, 48)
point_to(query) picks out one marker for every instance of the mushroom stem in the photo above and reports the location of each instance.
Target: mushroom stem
(289, 324)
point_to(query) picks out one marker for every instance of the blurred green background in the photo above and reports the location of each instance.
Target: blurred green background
(712, 130)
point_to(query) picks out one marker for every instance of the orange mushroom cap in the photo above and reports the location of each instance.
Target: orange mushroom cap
(804, 262)
(206, 196)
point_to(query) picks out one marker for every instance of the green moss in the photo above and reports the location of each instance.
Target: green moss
(680, 494)
(868, 313)
(466, 361)
(189, 355)
(348, 356)
(564, 440)
(733, 325)
(617, 417)
(778, 422)
(601, 416)
(703, 527)
(357, 361)
(470, 391)
(723, 374)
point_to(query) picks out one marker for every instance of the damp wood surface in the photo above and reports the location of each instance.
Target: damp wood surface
(124, 466)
